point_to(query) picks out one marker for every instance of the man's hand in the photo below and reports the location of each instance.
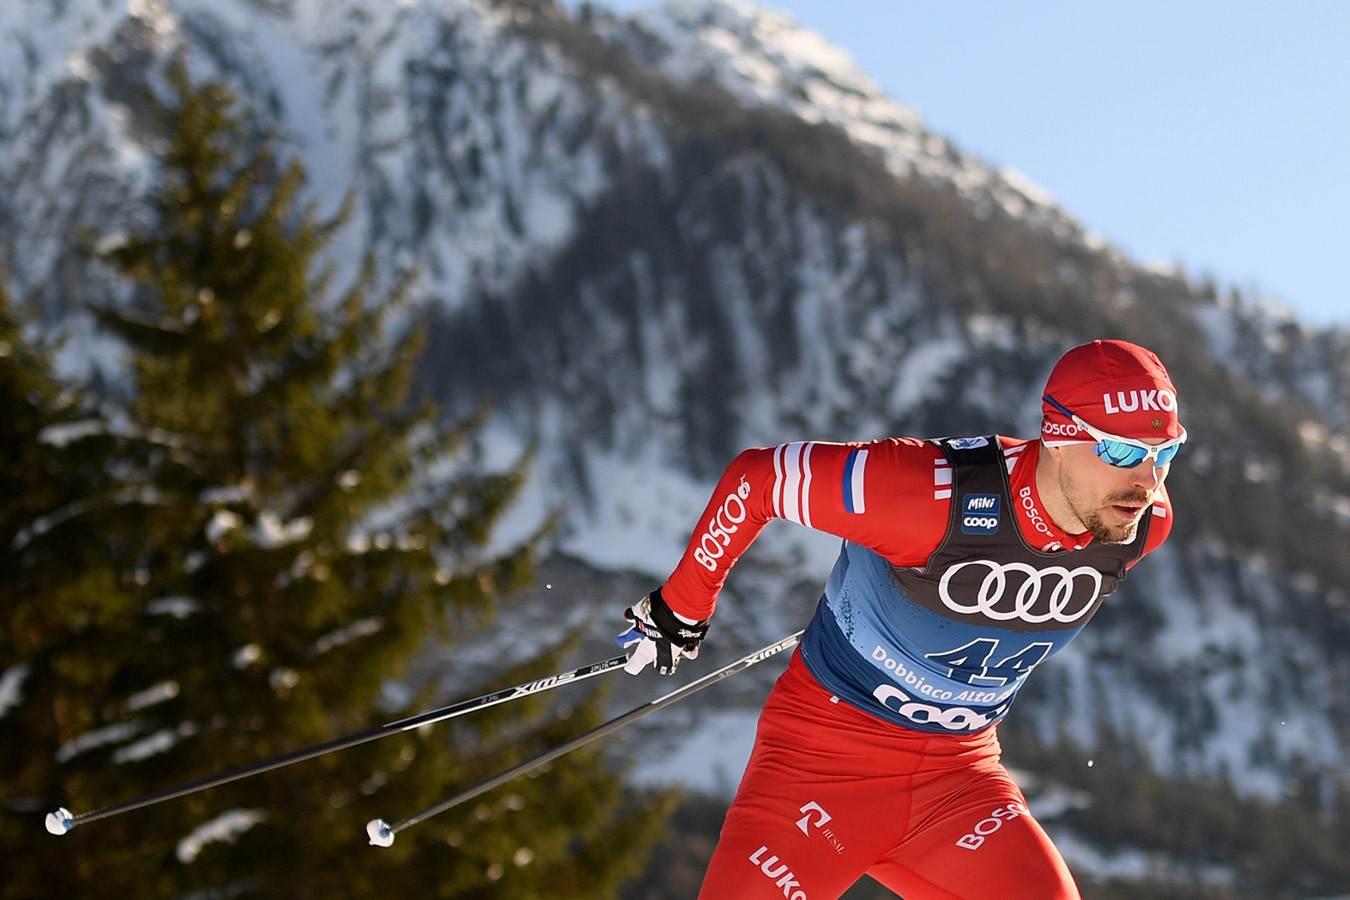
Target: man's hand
(659, 636)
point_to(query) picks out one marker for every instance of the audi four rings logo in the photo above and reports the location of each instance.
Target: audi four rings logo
(989, 600)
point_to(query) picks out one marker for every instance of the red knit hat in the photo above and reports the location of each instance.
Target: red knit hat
(1115, 386)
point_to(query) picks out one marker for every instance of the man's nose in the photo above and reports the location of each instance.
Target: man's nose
(1147, 476)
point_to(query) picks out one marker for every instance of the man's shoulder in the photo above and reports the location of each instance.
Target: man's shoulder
(1161, 522)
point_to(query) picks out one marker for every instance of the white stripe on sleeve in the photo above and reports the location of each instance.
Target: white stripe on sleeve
(806, 485)
(791, 474)
(942, 479)
(778, 480)
(856, 482)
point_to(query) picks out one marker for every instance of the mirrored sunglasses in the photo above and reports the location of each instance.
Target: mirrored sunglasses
(1123, 452)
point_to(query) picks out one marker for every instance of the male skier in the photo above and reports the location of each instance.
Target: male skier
(966, 562)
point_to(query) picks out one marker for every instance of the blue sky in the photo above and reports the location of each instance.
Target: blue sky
(1214, 135)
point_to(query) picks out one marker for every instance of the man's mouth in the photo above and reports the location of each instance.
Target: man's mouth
(1129, 508)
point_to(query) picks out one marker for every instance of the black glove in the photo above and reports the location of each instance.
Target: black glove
(657, 635)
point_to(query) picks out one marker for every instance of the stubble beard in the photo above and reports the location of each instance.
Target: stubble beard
(1094, 520)
(1105, 533)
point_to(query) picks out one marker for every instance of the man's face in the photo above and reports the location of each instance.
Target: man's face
(1109, 502)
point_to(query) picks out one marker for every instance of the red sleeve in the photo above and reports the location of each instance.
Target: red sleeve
(881, 495)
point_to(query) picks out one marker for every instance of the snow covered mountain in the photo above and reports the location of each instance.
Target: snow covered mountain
(655, 240)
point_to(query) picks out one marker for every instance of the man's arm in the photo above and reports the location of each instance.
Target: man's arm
(880, 495)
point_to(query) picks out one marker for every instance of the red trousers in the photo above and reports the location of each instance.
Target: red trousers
(831, 793)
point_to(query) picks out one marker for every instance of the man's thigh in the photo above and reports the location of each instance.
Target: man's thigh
(813, 810)
(984, 843)
(795, 839)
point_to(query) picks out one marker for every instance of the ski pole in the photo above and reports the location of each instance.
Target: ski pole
(382, 834)
(61, 821)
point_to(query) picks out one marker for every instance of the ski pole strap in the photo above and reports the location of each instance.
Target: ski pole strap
(381, 833)
(61, 821)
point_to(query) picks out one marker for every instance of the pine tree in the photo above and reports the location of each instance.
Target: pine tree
(290, 528)
(59, 496)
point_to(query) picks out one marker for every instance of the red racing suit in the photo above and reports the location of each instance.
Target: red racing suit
(876, 752)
